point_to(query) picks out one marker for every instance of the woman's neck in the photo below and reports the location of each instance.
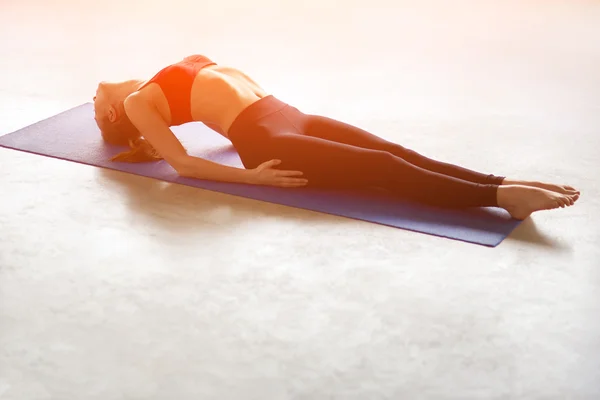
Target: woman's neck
(130, 86)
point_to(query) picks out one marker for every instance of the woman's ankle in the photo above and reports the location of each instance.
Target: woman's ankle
(509, 182)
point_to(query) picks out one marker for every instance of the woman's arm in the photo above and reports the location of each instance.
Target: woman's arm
(199, 168)
(152, 127)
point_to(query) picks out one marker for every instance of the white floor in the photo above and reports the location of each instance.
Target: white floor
(121, 287)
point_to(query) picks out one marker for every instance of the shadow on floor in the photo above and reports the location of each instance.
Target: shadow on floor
(529, 233)
(176, 206)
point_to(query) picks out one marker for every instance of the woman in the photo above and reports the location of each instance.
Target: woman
(281, 146)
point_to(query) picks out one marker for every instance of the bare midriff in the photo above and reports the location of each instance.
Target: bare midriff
(219, 95)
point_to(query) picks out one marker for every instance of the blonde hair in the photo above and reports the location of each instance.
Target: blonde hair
(122, 132)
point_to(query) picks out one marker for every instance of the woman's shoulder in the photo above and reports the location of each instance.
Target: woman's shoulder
(198, 58)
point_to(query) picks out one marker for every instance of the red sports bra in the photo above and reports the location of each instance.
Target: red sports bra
(176, 83)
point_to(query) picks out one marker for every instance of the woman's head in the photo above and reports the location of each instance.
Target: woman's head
(115, 126)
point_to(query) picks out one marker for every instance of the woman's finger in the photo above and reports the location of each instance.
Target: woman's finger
(289, 185)
(269, 164)
(293, 181)
(289, 173)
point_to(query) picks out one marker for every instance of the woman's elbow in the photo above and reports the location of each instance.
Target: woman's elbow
(182, 165)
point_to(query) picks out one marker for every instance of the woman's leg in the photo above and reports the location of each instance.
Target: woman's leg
(344, 133)
(331, 164)
(259, 137)
(330, 129)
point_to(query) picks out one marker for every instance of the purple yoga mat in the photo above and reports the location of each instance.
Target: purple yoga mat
(74, 136)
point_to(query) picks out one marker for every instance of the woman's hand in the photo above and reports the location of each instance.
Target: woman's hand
(264, 174)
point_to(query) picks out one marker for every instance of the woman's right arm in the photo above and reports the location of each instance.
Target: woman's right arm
(157, 133)
(264, 174)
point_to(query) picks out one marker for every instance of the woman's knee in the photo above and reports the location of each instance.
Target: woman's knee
(385, 156)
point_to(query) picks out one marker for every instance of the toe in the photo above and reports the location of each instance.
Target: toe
(571, 189)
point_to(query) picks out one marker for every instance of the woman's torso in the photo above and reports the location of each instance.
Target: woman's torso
(218, 95)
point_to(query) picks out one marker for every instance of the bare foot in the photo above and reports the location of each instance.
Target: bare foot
(564, 189)
(520, 201)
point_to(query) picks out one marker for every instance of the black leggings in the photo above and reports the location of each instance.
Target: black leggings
(334, 155)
